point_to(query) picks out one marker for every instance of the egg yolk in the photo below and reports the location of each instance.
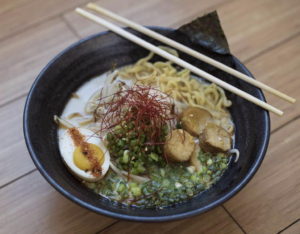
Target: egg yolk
(82, 161)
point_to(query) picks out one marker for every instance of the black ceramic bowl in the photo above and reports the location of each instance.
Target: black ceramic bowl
(93, 56)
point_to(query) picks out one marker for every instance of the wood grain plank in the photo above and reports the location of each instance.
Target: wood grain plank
(20, 14)
(280, 69)
(22, 59)
(7, 5)
(253, 26)
(268, 204)
(215, 221)
(294, 229)
(33, 206)
(14, 157)
(155, 12)
(270, 201)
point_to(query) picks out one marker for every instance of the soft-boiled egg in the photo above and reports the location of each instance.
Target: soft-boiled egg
(84, 154)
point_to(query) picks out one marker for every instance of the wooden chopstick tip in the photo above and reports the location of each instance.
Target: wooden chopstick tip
(91, 4)
(280, 113)
(78, 10)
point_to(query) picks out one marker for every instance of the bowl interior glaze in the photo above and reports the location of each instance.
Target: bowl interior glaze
(93, 56)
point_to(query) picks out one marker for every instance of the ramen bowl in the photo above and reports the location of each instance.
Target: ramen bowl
(96, 55)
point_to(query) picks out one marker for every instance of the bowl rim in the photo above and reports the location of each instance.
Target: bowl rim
(230, 194)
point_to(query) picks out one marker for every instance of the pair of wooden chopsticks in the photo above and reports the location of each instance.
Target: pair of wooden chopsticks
(118, 30)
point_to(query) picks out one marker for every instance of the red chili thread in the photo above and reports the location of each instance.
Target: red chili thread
(148, 108)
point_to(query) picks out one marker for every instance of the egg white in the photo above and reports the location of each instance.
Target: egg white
(67, 147)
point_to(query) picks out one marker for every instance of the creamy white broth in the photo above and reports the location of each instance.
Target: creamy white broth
(78, 101)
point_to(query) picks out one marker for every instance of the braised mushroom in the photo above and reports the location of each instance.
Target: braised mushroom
(194, 120)
(179, 145)
(215, 139)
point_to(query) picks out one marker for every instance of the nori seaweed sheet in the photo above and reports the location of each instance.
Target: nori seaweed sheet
(205, 34)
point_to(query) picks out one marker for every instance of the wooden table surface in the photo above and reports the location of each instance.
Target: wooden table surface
(264, 34)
